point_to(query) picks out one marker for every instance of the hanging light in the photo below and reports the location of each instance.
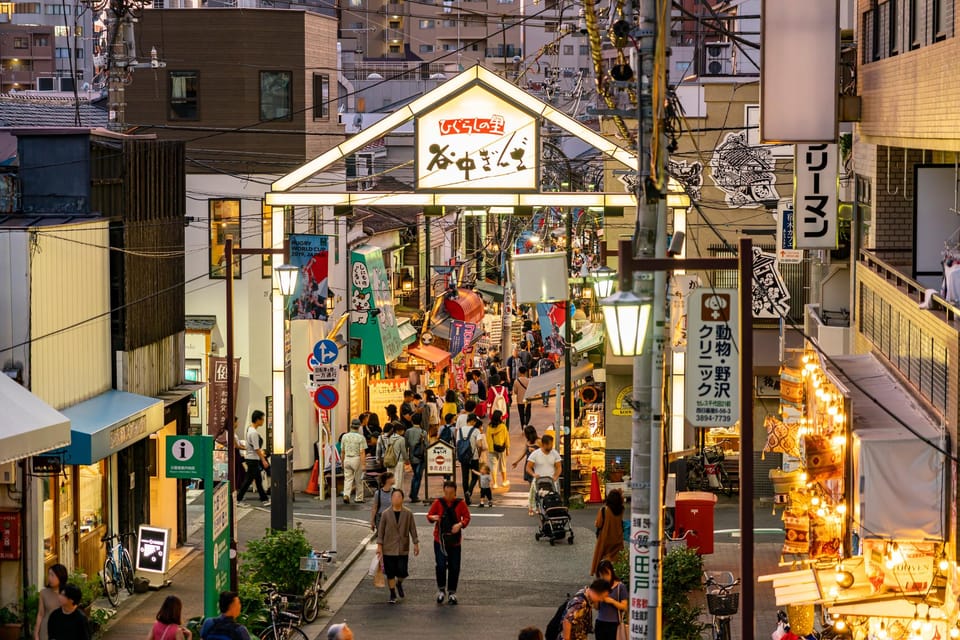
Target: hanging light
(406, 283)
(626, 318)
(331, 303)
(287, 278)
(603, 280)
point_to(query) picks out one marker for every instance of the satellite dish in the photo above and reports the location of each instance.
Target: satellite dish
(426, 338)
(374, 76)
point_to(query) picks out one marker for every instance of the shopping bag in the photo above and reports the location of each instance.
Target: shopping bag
(374, 563)
(379, 579)
(622, 632)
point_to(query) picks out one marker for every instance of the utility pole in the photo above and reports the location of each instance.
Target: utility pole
(646, 511)
(121, 60)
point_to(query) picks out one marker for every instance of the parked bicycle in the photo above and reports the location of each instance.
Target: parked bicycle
(722, 602)
(284, 624)
(705, 472)
(117, 568)
(315, 592)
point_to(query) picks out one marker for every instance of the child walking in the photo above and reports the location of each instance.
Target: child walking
(486, 482)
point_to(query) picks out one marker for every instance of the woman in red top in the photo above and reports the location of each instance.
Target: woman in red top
(451, 516)
(169, 624)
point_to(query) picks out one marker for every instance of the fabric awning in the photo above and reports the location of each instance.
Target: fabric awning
(592, 338)
(467, 306)
(547, 382)
(890, 452)
(408, 335)
(434, 355)
(109, 422)
(30, 425)
(491, 290)
(444, 327)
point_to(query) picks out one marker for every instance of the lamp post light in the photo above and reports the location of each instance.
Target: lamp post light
(603, 279)
(626, 317)
(285, 281)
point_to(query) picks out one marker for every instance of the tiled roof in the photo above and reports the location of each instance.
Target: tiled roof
(32, 110)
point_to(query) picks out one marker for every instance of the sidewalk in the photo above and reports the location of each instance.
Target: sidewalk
(137, 612)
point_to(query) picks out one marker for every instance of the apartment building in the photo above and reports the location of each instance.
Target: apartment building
(65, 31)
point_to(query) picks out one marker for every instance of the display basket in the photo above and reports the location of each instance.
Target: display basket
(723, 604)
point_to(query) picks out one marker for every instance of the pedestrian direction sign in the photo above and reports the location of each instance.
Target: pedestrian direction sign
(326, 351)
(326, 397)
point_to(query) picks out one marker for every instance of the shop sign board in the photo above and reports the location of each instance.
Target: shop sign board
(815, 196)
(440, 458)
(374, 335)
(384, 392)
(644, 575)
(187, 457)
(771, 298)
(152, 546)
(712, 374)
(217, 419)
(477, 140)
(786, 234)
(621, 406)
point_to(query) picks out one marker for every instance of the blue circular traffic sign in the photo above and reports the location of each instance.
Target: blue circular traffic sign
(326, 397)
(326, 351)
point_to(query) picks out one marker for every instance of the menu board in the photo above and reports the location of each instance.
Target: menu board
(384, 392)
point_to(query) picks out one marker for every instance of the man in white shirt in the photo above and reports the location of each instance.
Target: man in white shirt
(255, 459)
(544, 462)
(353, 446)
(470, 430)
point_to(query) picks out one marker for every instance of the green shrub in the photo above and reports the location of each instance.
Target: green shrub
(275, 558)
(91, 587)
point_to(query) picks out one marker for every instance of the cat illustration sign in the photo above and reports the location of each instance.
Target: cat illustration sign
(186, 457)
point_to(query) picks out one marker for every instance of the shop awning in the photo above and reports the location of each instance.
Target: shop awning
(547, 382)
(592, 338)
(491, 290)
(890, 452)
(813, 585)
(467, 306)
(444, 327)
(408, 335)
(179, 392)
(108, 423)
(434, 355)
(30, 426)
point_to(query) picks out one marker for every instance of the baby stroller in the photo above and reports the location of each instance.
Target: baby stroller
(554, 517)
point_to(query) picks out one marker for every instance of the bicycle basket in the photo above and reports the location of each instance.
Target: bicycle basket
(723, 604)
(309, 563)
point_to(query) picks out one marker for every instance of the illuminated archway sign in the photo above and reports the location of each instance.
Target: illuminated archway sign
(477, 139)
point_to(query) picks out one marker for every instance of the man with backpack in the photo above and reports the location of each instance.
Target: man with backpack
(450, 516)
(392, 450)
(469, 445)
(417, 446)
(225, 626)
(498, 399)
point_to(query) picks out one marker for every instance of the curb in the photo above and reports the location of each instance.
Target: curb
(342, 568)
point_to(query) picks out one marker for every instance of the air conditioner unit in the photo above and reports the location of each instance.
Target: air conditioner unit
(8, 473)
(719, 60)
(46, 84)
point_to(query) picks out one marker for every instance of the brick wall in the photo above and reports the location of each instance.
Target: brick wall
(893, 197)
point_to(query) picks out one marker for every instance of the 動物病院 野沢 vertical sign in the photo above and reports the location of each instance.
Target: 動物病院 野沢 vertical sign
(712, 382)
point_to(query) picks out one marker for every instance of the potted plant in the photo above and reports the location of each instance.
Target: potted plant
(614, 473)
(90, 587)
(11, 623)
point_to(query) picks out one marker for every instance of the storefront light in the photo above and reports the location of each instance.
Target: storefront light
(287, 278)
(626, 318)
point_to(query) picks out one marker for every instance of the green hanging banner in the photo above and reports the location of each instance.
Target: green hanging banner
(374, 335)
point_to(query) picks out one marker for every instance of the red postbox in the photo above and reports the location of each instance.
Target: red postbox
(694, 517)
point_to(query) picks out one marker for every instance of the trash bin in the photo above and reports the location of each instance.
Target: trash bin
(694, 516)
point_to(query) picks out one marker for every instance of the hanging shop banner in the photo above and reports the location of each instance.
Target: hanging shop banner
(217, 418)
(477, 140)
(552, 318)
(680, 286)
(374, 335)
(310, 254)
(815, 196)
(786, 234)
(771, 298)
(712, 373)
(457, 329)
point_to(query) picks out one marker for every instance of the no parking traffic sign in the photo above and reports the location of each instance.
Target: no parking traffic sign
(326, 397)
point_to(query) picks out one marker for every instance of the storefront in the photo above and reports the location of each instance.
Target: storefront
(865, 510)
(104, 486)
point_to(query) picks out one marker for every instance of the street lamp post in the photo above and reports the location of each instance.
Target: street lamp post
(281, 511)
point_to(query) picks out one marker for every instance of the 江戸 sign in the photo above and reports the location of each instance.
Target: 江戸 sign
(477, 140)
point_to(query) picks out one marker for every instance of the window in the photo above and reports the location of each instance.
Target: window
(321, 96)
(584, 49)
(356, 25)
(62, 31)
(32, 8)
(41, 41)
(568, 49)
(394, 48)
(79, 53)
(21, 43)
(61, 52)
(224, 221)
(941, 19)
(427, 24)
(449, 23)
(394, 24)
(550, 27)
(184, 100)
(426, 48)
(53, 10)
(276, 95)
(916, 23)
(92, 488)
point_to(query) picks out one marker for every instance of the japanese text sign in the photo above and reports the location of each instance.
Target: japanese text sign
(815, 196)
(713, 358)
(786, 234)
(771, 298)
(477, 140)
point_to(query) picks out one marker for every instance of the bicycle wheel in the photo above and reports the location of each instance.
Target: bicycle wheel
(110, 577)
(126, 571)
(291, 632)
(311, 606)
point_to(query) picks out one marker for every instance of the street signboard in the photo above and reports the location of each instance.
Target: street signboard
(326, 397)
(712, 379)
(312, 362)
(440, 459)
(187, 457)
(786, 230)
(326, 351)
(815, 196)
(324, 374)
(152, 545)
